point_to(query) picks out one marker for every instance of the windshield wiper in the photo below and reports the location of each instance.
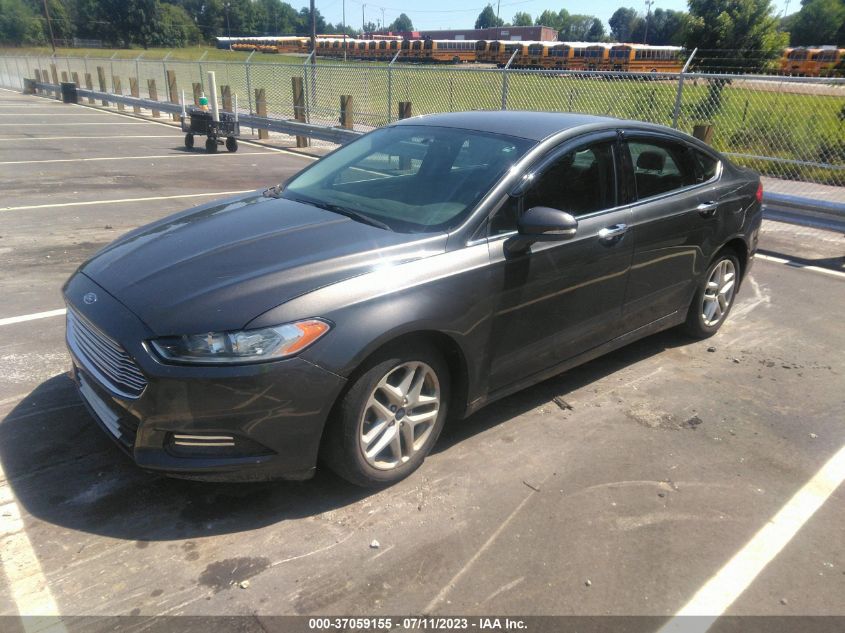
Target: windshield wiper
(349, 213)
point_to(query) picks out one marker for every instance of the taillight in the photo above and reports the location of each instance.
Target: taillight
(759, 194)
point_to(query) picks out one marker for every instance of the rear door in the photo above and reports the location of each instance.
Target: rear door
(680, 208)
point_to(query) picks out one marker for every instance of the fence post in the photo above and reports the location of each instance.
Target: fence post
(101, 80)
(199, 64)
(117, 90)
(37, 78)
(676, 112)
(153, 91)
(137, 71)
(172, 90)
(226, 93)
(346, 111)
(390, 86)
(64, 77)
(54, 73)
(249, 81)
(405, 110)
(75, 77)
(261, 109)
(89, 83)
(197, 92)
(133, 90)
(308, 89)
(505, 79)
(299, 107)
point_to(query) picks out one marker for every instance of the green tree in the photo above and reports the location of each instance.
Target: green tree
(581, 28)
(487, 19)
(19, 24)
(819, 22)
(665, 27)
(555, 20)
(746, 28)
(521, 18)
(402, 24)
(622, 24)
(175, 28)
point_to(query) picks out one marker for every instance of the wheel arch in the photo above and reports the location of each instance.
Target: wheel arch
(739, 247)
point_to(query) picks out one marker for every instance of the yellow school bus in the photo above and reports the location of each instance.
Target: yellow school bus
(454, 51)
(641, 58)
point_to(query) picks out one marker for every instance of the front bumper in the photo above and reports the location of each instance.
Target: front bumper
(227, 423)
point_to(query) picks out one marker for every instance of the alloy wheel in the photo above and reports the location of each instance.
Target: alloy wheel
(719, 293)
(399, 415)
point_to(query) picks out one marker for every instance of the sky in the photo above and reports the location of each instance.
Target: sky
(461, 14)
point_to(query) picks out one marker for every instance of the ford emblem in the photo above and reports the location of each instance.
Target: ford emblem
(89, 298)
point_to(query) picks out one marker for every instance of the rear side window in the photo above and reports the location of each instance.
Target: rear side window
(705, 166)
(661, 167)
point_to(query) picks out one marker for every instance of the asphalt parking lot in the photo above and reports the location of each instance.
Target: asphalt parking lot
(621, 487)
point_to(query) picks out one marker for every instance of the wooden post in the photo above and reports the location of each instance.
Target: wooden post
(64, 76)
(261, 109)
(37, 78)
(133, 90)
(151, 88)
(75, 78)
(404, 109)
(117, 90)
(101, 80)
(346, 111)
(172, 91)
(54, 73)
(197, 93)
(89, 84)
(299, 107)
(226, 93)
(703, 132)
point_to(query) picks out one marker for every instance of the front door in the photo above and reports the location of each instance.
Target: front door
(560, 298)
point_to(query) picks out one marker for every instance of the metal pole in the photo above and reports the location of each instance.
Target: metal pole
(50, 27)
(138, 71)
(390, 86)
(648, 4)
(249, 81)
(363, 20)
(308, 87)
(505, 79)
(164, 69)
(677, 111)
(344, 30)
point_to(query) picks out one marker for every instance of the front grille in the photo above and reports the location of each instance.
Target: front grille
(104, 359)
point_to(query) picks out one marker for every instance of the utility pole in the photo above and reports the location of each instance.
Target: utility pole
(50, 27)
(648, 4)
(228, 27)
(363, 19)
(313, 33)
(344, 30)
(383, 23)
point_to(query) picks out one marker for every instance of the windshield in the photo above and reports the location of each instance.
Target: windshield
(409, 178)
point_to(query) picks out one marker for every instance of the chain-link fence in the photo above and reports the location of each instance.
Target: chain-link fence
(788, 128)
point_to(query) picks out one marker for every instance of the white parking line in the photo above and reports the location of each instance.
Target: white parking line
(722, 590)
(100, 158)
(794, 264)
(65, 138)
(33, 316)
(66, 125)
(121, 200)
(24, 575)
(47, 114)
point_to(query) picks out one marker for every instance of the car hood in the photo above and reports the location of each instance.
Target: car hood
(218, 266)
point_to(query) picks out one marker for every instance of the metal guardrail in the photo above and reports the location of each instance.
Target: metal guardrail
(284, 126)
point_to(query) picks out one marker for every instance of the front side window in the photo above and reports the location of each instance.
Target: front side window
(660, 167)
(579, 182)
(411, 178)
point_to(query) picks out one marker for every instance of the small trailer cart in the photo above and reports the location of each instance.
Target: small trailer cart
(201, 122)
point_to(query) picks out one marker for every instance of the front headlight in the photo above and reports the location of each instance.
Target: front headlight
(246, 346)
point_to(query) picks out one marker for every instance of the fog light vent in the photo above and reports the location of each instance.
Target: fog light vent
(203, 440)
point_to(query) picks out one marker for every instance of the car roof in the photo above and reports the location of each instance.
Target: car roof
(534, 126)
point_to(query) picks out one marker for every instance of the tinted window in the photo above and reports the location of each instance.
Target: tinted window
(579, 182)
(412, 178)
(705, 165)
(660, 167)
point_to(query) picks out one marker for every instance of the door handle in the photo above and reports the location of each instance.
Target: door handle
(707, 209)
(612, 233)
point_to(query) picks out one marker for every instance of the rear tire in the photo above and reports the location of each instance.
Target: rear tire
(231, 144)
(715, 296)
(390, 417)
(189, 141)
(211, 146)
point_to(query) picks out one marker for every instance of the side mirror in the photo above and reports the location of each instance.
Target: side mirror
(543, 224)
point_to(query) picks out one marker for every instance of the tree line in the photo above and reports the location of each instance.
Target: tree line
(712, 23)
(164, 23)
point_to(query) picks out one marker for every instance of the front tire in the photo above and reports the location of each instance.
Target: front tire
(714, 298)
(390, 417)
